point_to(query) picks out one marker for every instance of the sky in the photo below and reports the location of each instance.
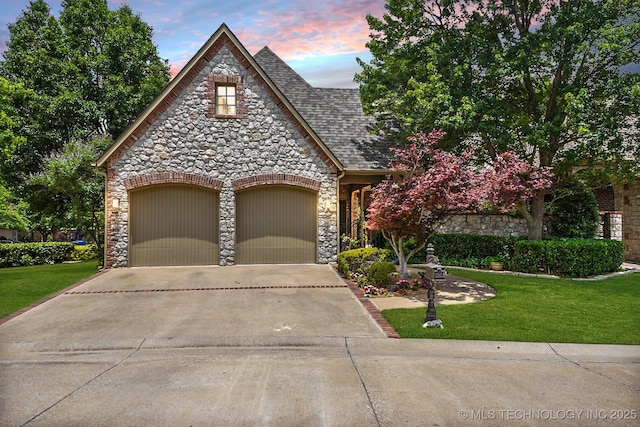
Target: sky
(319, 39)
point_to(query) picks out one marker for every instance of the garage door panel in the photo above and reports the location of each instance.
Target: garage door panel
(276, 224)
(173, 225)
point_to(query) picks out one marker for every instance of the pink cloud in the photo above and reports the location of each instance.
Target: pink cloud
(304, 31)
(292, 29)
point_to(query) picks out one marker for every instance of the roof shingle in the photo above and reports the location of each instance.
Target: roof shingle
(335, 115)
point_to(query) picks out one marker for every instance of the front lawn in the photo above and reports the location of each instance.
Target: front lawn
(22, 286)
(537, 310)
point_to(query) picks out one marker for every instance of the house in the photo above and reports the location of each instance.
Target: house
(239, 161)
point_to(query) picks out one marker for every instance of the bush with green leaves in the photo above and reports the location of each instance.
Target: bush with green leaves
(356, 262)
(574, 212)
(379, 273)
(568, 257)
(84, 253)
(460, 247)
(21, 254)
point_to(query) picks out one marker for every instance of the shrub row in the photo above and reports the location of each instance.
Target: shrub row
(357, 261)
(568, 257)
(20, 254)
(564, 257)
(467, 246)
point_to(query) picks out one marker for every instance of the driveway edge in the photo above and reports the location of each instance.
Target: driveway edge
(371, 308)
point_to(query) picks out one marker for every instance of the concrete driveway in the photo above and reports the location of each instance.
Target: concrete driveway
(180, 302)
(282, 346)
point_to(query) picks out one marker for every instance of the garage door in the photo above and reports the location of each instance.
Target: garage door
(276, 225)
(173, 225)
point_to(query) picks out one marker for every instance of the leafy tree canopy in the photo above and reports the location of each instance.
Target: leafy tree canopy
(13, 98)
(68, 193)
(93, 71)
(433, 185)
(549, 80)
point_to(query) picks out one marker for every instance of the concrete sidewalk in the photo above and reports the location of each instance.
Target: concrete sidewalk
(224, 348)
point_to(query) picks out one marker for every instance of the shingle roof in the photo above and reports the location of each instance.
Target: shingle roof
(335, 115)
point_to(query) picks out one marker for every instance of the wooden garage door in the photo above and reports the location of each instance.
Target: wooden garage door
(276, 225)
(173, 225)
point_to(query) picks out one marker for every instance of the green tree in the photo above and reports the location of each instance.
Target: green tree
(68, 193)
(545, 79)
(13, 213)
(14, 100)
(35, 60)
(574, 210)
(93, 71)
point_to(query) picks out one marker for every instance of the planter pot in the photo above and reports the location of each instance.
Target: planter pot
(497, 266)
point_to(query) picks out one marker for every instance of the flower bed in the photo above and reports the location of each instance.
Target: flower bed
(399, 287)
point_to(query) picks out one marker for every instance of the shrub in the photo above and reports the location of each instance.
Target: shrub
(467, 246)
(357, 261)
(379, 273)
(19, 254)
(568, 257)
(83, 253)
(575, 212)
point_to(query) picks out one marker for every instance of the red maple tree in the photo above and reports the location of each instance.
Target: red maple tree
(433, 185)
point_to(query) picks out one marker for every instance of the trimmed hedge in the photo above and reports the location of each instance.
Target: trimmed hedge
(568, 257)
(467, 246)
(23, 254)
(358, 261)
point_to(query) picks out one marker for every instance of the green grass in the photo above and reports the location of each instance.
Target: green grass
(536, 310)
(22, 286)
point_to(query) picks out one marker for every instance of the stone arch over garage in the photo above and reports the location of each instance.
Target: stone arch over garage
(276, 179)
(172, 178)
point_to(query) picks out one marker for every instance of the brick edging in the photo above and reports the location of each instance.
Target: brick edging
(371, 308)
(50, 297)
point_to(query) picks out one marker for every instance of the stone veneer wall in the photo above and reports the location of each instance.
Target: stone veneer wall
(627, 200)
(610, 226)
(505, 225)
(262, 141)
(490, 225)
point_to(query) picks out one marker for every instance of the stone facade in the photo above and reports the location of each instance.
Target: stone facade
(609, 227)
(627, 200)
(489, 225)
(187, 143)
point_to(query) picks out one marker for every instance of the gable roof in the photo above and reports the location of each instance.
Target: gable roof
(331, 120)
(222, 37)
(335, 114)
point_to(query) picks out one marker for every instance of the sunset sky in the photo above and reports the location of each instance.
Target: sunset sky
(319, 39)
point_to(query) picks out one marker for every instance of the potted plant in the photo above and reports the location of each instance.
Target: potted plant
(496, 263)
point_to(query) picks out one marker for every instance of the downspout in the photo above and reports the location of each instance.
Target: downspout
(340, 176)
(102, 172)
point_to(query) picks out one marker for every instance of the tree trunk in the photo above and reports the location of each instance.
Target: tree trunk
(534, 216)
(402, 263)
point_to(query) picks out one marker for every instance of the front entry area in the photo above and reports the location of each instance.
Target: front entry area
(173, 224)
(276, 224)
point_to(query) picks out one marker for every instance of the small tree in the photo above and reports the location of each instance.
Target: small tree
(433, 185)
(68, 192)
(574, 210)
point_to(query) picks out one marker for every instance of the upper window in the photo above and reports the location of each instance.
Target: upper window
(226, 100)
